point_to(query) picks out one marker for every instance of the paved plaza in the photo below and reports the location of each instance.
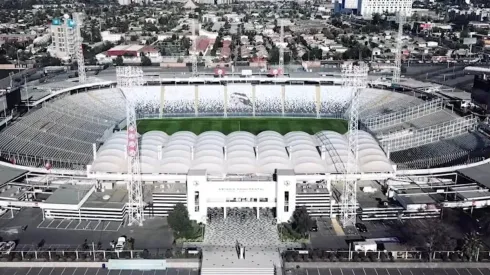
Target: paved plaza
(241, 225)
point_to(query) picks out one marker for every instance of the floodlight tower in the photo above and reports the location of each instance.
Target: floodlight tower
(281, 47)
(78, 21)
(398, 56)
(194, 49)
(130, 78)
(354, 78)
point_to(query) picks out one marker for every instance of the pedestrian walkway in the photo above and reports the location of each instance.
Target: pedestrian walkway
(337, 227)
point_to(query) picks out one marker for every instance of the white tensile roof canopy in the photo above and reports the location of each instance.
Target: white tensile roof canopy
(242, 153)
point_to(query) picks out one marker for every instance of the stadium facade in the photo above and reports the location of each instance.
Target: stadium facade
(78, 127)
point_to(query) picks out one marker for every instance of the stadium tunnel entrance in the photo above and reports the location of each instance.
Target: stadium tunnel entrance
(241, 213)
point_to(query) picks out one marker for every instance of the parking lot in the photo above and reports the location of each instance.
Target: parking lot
(109, 226)
(10, 214)
(390, 271)
(93, 271)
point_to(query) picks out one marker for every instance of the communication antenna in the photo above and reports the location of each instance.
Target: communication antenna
(78, 21)
(130, 79)
(354, 78)
(398, 56)
(194, 49)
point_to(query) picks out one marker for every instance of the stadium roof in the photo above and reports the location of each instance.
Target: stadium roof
(236, 153)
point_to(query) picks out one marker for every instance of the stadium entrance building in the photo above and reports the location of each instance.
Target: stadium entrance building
(267, 170)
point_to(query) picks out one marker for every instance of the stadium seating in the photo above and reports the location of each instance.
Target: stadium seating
(442, 152)
(65, 129)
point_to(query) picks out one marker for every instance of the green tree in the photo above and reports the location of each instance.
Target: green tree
(434, 237)
(145, 60)
(179, 221)
(301, 221)
(119, 61)
(472, 245)
(274, 55)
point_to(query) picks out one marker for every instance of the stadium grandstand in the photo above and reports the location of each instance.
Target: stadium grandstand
(71, 137)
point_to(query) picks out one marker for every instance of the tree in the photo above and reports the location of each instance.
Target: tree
(301, 221)
(145, 60)
(434, 236)
(274, 55)
(471, 245)
(119, 61)
(179, 221)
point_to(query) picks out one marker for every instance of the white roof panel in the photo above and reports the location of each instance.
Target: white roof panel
(236, 153)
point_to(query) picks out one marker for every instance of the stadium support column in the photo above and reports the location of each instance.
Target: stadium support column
(253, 100)
(197, 195)
(283, 95)
(196, 100)
(286, 194)
(162, 101)
(78, 21)
(354, 78)
(225, 94)
(129, 79)
(318, 100)
(398, 54)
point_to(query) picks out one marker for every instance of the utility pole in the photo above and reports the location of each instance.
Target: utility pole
(281, 48)
(194, 49)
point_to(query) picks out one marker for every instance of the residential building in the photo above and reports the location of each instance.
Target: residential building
(63, 40)
(370, 7)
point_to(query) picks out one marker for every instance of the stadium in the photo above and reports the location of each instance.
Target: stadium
(234, 142)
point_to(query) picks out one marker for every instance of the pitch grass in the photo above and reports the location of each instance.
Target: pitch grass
(252, 125)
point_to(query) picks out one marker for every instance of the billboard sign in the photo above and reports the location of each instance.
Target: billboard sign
(469, 41)
(351, 4)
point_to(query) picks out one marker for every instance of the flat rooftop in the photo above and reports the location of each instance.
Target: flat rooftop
(113, 198)
(8, 174)
(108, 199)
(68, 194)
(369, 199)
(416, 199)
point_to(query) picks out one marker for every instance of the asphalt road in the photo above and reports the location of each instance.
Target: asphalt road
(390, 271)
(92, 271)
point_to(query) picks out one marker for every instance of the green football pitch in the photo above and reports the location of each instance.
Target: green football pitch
(252, 125)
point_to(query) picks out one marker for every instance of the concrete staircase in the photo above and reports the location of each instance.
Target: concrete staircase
(233, 271)
(259, 237)
(224, 260)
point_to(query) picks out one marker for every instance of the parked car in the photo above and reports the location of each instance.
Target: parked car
(314, 227)
(121, 244)
(361, 227)
(6, 247)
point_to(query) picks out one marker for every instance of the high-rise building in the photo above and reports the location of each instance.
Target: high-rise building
(129, 2)
(63, 41)
(370, 7)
